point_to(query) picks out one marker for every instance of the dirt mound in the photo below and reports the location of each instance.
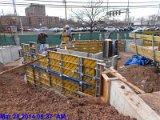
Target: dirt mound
(21, 98)
(145, 77)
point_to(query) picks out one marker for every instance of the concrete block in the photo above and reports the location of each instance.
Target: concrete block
(8, 54)
(127, 102)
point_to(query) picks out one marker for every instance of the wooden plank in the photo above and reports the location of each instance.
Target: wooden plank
(18, 67)
(123, 79)
(145, 37)
(105, 88)
(146, 52)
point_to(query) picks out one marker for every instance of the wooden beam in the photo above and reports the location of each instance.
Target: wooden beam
(123, 79)
(105, 89)
(18, 67)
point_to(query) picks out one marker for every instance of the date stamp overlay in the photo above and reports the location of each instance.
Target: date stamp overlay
(32, 116)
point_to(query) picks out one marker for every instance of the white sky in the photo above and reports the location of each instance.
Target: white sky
(51, 11)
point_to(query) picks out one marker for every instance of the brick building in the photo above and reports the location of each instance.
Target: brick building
(35, 17)
(35, 10)
(49, 21)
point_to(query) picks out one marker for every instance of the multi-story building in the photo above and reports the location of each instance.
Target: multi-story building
(35, 17)
(35, 10)
(38, 21)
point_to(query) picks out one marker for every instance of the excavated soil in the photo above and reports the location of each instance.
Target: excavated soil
(152, 99)
(145, 77)
(3, 68)
(17, 97)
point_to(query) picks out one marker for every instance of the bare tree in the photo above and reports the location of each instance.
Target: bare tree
(152, 19)
(91, 14)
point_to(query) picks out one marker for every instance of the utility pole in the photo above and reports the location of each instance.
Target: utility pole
(14, 8)
(21, 26)
(128, 13)
(65, 4)
(107, 12)
(158, 16)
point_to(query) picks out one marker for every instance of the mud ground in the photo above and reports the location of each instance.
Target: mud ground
(17, 97)
(145, 77)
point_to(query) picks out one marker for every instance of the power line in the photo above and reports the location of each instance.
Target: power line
(65, 4)
(81, 6)
(89, 2)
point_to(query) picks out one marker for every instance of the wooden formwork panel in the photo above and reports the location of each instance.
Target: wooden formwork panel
(70, 64)
(70, 73)
(149, 43)
(56, 83)
(55, 68)
(90, 69)
(145, 37)
(43, 58)
(133, 47)
(55, 55)
(146, 52)
(157, 56)
(30, 78)
(69, 58)
(73, 69)
(44, 79)
(90, 90)
(91, 46)
(70, 87)
(25, 48)
(43, 61)
(54, 64)
(29, 69)
(27, 59)
(121, 45)
(89, 63)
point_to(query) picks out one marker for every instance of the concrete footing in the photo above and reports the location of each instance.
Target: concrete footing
(127, 102)
(8, 54)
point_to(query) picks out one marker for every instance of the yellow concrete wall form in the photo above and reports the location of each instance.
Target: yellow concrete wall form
(68, 65)
(145, 37)
(89, 46)
(146, 52)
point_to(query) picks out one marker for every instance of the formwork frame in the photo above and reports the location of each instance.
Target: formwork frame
(68, 74)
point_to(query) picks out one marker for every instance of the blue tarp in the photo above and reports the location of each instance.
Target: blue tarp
(138, 60)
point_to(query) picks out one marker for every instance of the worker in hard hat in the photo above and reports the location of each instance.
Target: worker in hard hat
(69, 35)
(42, 41)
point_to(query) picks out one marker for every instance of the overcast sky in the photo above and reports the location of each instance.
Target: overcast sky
(146, 7)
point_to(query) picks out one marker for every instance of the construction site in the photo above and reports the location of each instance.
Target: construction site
(85, 81)
(105, 70)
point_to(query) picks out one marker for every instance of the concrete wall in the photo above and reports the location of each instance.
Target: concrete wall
(8, 54)
(127, 102)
